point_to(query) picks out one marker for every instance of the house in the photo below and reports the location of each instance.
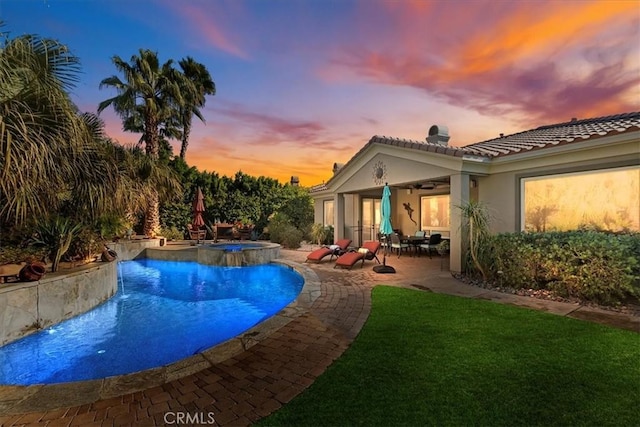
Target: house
(581, 173)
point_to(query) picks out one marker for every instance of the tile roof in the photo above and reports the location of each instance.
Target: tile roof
(318, 187)
(557, 134)
(539, 138)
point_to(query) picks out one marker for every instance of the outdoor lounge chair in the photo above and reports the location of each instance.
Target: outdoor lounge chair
(336, 250)
(368, 251)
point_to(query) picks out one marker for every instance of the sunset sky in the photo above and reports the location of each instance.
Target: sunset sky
(302, 84)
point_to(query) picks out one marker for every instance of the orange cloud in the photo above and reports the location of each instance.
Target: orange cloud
(533, 31)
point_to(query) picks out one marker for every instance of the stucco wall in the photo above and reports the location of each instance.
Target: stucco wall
(27, 306)
(318, 210)
(498, 192)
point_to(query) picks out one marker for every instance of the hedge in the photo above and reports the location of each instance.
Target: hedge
(592, 266)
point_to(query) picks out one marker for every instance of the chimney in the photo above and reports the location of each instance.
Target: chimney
(438, 135)
(502, 135)
(295, 181)
(574, 119)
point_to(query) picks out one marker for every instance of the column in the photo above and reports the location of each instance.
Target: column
(459, 195)
(338, 212)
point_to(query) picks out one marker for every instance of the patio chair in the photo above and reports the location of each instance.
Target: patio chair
(432, 243)
(335, 250)
(397, 244)
(196, 233)
(420, 234)
(368, 251)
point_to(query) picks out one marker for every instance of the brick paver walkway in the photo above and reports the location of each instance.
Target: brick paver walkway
(260, 380)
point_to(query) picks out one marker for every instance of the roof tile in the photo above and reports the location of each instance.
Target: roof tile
(539, 138)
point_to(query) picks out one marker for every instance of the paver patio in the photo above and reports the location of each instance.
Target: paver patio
(258, 381)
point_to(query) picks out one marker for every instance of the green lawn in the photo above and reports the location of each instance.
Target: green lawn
(431, 359)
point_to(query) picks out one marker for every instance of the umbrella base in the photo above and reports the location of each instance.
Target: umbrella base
(384, 269)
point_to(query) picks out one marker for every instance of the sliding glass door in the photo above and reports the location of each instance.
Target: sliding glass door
(370, 219)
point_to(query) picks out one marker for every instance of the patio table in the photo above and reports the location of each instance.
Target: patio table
(415, 242)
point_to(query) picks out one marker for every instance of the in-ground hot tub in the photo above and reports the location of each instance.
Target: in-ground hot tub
(228, 254)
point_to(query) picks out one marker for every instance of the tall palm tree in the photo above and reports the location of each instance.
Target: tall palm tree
(197, 84)
(151, 91)
(46, 147)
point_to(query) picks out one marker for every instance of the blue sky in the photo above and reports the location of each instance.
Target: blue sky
(302, 84)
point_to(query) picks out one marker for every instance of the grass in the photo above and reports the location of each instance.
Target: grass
(432, 359)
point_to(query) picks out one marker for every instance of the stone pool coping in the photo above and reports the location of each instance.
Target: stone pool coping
(42, 397)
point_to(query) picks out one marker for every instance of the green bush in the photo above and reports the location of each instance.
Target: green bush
(292, 237)
(282, 231)
(329, 238)
(86, 244)
(592, 266)
(321, 235)
(17, 255)
(278, 226)
(171, 233)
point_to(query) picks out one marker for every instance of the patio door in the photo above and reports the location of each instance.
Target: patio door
(370, 219)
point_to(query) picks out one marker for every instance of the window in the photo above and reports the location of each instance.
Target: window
(604, 200)
(327, 209)
(434, 213)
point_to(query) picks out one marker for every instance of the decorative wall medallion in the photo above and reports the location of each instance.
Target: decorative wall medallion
(379, 172)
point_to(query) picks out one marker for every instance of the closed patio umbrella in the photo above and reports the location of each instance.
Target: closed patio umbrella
(385, 228)
(198, 209)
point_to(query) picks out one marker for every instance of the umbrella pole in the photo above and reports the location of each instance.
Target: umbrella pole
(384, 268)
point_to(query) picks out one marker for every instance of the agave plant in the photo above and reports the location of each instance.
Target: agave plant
(56, 234)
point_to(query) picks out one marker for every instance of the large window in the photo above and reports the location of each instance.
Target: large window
(434, 213)
(607, 200)
(327, 209)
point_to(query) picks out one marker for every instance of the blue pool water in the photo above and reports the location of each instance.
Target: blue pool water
(235, 247)
(163, 312)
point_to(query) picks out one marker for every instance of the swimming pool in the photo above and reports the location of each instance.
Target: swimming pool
(164, 311)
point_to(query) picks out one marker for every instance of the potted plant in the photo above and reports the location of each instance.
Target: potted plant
(443, 248)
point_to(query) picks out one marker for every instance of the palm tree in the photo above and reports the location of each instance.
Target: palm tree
(46, 147)
(150, 92)
(197, 84)
(142, 179)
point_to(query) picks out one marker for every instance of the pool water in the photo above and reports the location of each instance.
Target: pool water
(163, 311)
(235, 247)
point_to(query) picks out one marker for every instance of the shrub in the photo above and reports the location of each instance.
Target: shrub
(171, 233)
(592, 266)
(112, 226)
(329, 238)
(292, 237)
(278, 227)
(85, 244)
(17, 255)
(282, 231)
(318, 233)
